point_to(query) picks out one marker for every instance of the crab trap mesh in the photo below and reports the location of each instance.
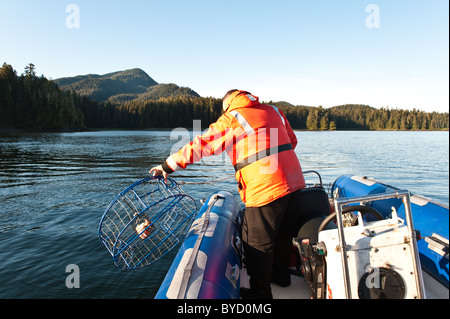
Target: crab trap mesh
(146, 221)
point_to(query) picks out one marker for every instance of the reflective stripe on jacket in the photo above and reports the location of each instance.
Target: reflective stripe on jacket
(260, 143)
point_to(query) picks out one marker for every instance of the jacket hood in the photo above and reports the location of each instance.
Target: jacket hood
(241, 99)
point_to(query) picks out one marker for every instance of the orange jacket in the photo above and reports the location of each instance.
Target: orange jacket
(260, 143)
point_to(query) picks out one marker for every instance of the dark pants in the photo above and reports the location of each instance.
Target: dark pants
(267, 235)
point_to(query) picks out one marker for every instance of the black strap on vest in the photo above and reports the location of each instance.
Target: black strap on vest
(270, 151)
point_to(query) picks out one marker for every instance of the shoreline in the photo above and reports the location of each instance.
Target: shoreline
(7, 131)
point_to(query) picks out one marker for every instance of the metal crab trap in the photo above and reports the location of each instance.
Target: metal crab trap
(146, 221)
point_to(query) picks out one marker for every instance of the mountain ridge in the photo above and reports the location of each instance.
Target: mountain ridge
(122, 86)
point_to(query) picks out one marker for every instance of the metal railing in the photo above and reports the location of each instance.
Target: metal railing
(405, 197)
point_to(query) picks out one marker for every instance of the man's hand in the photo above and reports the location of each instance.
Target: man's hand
(158, 171)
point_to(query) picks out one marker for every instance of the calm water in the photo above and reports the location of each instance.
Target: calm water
(55, 187)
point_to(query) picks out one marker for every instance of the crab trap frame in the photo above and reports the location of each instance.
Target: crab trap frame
(145, 221)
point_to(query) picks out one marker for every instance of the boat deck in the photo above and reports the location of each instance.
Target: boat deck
(299, 288)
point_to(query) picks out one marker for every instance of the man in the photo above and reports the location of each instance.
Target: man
(260, 143)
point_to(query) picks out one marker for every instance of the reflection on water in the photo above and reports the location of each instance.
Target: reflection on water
(55, 187)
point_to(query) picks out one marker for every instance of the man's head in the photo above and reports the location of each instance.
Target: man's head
(226, 102)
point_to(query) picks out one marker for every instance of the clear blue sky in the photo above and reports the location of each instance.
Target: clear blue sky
(305, 52)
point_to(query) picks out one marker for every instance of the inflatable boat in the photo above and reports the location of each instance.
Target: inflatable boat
(402, 253)
(430, 219)
(208, 263)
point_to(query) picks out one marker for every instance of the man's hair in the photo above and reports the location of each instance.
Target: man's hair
(226, 103)
(229, 93)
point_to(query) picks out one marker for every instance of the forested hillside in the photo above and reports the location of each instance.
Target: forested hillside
(121, 86)
(36, 103)
(31, 102)
(364, 117)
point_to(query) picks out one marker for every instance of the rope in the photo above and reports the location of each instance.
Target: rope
(207, 182)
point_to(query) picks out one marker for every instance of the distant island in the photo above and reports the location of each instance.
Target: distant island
(131, 99)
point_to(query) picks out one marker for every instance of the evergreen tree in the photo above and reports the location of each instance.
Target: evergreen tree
(30, 71)
(312, 120)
